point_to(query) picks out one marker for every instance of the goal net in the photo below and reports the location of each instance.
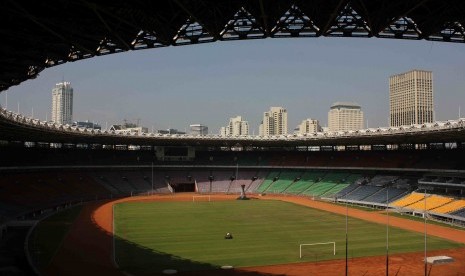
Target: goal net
(201, 198)
(320, 246)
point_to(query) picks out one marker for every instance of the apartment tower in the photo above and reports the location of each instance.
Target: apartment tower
(274, 122)
(236, 126)
(345, 116)
(309, 126)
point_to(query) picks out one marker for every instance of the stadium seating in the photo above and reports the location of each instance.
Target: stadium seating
(255, 184)
(25, 192)
(388, 194)
(327, 183)
(100, 178)
(222, 181)
(408, 199)
(138, 180)
(342, 194)
(450, 207)
(306, 180)
(362, 192)
(270, 178)
(120, 182)
(430, 202)
(202, 180)
(344, 183)
(37, 156)
(160, 184)
(286, 178)
(306, 173)
(376, 190)
(459, 213)
(244, 178)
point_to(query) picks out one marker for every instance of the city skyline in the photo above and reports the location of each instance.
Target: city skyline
(176, 86)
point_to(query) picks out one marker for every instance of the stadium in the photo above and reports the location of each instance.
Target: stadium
(77, 201)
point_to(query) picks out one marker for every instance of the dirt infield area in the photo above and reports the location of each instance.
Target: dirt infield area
(88, 247)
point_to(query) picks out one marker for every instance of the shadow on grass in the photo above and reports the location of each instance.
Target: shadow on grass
(145, 261)
(88, 250)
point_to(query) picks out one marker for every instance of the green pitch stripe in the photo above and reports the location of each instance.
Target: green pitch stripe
(190, 236)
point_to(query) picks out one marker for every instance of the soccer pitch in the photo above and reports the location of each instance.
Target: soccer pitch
(152, 236)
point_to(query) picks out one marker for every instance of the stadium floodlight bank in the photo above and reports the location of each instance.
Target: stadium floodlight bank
(313, 244)
(201, 198)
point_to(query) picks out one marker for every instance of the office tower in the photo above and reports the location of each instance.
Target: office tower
(345, 116)
(198, 129)
(62, 103)
(274, 122)
(309, 126)
(411, 98)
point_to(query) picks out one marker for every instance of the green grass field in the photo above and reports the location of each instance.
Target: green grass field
(152, 236)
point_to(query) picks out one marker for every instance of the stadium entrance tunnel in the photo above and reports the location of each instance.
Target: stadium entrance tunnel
(183, 187)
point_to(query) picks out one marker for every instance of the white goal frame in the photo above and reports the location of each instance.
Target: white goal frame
(201, 196)
(318, 243)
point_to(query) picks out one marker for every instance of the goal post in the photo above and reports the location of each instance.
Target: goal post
(200, 197)
(313, 244)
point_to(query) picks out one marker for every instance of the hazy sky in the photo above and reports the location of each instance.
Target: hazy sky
(209, 83)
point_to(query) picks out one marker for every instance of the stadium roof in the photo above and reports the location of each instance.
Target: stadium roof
(16, 127)
(40, 34)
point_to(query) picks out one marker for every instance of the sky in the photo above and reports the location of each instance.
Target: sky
(174, 87)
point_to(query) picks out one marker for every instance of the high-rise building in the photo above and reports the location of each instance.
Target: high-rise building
(236, 126)
(224, 131)
(198, 129)
(345, 116)
(309, 126)
(274, 122)
(411, 98)
(62, 103)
